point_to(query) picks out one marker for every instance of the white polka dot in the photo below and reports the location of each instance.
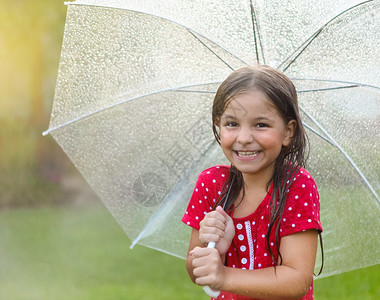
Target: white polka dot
(303, 185)
(188, 223)
(241, 237)
(192, 207)
(208, 172)
(206, 189)
(196, 218)
(213, 180)
(196, 190)
(205, 197)
(298, 215)
(263, 236)
(293, 225)
(223, 175)
(272, 244)
(259, 265)
(204, 212)
(262, 217)
(296, 197)
(203, 184)
(243, 248)
(229, 254)
(265, 254)
(253, 223)
(219, 192)
(290, 208)
(305, 204)
(200, 201)
(243, 260)
(309, 220)
(284, 219)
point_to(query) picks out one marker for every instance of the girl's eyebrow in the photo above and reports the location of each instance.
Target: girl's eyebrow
(257, 119)
(226, 116)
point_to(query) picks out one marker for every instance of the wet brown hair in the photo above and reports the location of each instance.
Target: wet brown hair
(281, 92)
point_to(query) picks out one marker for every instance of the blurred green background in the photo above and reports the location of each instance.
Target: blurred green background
(57, 241)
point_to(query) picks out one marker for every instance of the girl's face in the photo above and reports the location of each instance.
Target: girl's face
(252, 133)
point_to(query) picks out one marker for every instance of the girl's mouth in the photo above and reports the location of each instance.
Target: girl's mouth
(247, 154)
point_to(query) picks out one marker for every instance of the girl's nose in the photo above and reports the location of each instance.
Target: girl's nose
(245, 136)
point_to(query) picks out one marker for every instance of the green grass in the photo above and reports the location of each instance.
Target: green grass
(82, 254)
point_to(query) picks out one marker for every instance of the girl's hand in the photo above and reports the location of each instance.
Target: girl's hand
(207, 267)
(217, 226)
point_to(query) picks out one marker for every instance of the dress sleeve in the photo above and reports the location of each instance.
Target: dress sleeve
(302, 207)
(206, 192)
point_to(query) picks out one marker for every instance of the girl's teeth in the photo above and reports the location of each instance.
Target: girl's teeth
(248, 154)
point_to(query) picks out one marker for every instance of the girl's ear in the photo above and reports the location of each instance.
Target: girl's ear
(290, 129)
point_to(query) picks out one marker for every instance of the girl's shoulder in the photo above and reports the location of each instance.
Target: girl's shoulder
(213, 178)
(302, 185)
(303, 176)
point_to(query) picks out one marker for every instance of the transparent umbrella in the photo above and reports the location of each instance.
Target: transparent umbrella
(134, 91)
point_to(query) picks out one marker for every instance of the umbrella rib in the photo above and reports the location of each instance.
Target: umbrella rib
(317, 133)
(256, 34)
(212, 51)
(196, 91)
(193, 32)
(119, 103)
(351, 83)
(315, 35)
(353, 164)
(327, 89)
(166, 202)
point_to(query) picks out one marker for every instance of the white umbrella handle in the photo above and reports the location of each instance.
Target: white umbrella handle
(206, 288)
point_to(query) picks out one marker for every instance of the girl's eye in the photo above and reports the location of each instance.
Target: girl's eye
(261, 125)
(231, 124)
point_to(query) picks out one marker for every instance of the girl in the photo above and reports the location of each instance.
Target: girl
(267, 234)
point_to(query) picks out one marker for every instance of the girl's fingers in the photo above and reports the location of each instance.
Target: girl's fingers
(205, 263)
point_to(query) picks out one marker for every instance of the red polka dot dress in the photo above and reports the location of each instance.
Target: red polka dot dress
(247, 250)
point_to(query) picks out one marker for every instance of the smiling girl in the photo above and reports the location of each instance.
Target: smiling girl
(267, 234)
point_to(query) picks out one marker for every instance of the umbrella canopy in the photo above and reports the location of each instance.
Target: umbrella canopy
(132, 106)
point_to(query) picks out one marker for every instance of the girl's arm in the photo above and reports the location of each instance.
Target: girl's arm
(291, 280)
